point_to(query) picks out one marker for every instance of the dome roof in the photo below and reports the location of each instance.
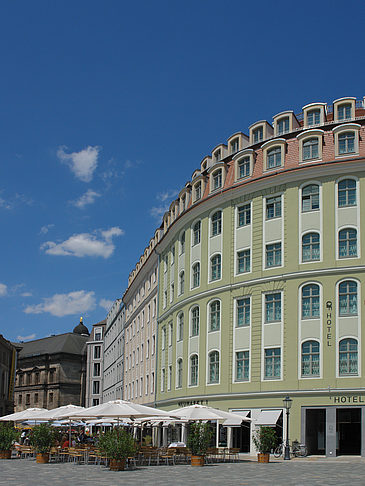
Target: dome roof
(81, 328)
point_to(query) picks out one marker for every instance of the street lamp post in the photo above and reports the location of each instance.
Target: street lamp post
(287, 404)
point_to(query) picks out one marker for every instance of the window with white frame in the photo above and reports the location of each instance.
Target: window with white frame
(242, 366)
(258, 134)
(172, 289)
(283, 125)
(196, 275)
(171, 332)
(244, 215)
(213, 359)
(217, 179)
(347, 243)
(310, 301)
(272, 365)
(169, 378)
(194, 369)
(243, 312)
(344, 111)
(179, 373)
(310, 149)
(182, 243)
(164, 298)
(163, 344)
(216, 223)
(196, 233)
(234, 145)
(214, 316)
(347, 193)
(180, 327)
(311, 247)
(273, 255)
(243, 261)
(198, 191)
(346, 143)
(310, 198)
(217, 155)
(347, 298)
(181, 282)
(163, 378)
(348, 357)
(310, 359)
(195, 321)
(273, 307)
(273, 158)
(273, 207)
(244, 167)
(313, 117)
(215, 267)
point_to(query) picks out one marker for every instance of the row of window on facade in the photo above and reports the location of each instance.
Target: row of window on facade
(137, 388)
(141, 292)
(310, 150)
(29, 378)
(348, 362)
(138, 354)
(310, 296)
(27, 400)
(139, 322)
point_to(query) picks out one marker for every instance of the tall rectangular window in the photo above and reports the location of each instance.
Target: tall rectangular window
(258, 134)
(283, 125)
(243, 312)
(244, 167)
(242, 366)
(96, 369)
(244, 215)
(243, 261)
(313, 117)
(344, 111)
(273, 307)
(273, 207)
(272, 363)
(273, 255)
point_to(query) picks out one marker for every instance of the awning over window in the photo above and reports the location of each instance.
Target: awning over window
(268, 418)
(236, 422)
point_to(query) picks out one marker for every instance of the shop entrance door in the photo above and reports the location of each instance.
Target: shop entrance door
(241, 437)
(348, 431)
(315, 434)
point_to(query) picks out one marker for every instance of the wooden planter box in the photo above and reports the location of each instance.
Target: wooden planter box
(117, 464)
(42, 458)
(197, 461)
(263, 457)
(5, 454)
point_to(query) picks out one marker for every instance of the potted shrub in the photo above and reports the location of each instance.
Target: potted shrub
(198, 442)
(117, 445)
(42, 438)
(7, 436)
(265, 440)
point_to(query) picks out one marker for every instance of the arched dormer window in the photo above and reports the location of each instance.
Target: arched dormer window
(346, 139)
(274, 153)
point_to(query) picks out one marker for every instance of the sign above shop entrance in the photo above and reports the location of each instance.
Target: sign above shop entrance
(348, 399)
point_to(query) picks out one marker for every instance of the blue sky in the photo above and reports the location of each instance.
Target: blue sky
(107, 108)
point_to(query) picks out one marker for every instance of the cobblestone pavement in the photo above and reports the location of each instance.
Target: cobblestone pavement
(308, 472)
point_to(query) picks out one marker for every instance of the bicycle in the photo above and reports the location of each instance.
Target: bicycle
(296, 449)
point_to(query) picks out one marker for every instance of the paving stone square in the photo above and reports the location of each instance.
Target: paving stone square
(307, 472)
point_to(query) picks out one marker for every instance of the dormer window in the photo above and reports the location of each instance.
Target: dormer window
(346, 139)
(258, 134)
(217, 155)
(313, 117)
(183, 202)
(234, 146)
(244, 167)
(274, 153)
(198, 190)
(283, 125)
(217, 179)
(344, 111)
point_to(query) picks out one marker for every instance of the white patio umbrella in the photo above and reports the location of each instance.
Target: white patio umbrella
(29, 414)
(58, 413)
(119, 409)
(203, 412)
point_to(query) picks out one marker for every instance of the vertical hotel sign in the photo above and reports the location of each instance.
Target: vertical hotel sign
(12, 376)
(329, 319)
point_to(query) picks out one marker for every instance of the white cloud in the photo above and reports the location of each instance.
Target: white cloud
(98, 244)
(60, 305)
(26, 294)
(44, 230)
(83, 163)
(158, 211)
(169, 194)
(13, 202)
(26, 338)
(88, 198)
(106, 304)
(3, 289)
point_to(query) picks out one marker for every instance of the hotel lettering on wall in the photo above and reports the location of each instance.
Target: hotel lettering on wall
(329, 312)
(346, 399)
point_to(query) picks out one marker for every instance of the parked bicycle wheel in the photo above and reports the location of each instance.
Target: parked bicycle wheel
(278, 451)
(302, 451)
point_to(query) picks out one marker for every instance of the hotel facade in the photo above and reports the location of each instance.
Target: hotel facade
(261, 277)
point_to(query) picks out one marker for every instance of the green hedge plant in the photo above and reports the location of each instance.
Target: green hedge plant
(265, 439)
(199, 436)
(7, 436)
(117, 444)
(42, 438)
